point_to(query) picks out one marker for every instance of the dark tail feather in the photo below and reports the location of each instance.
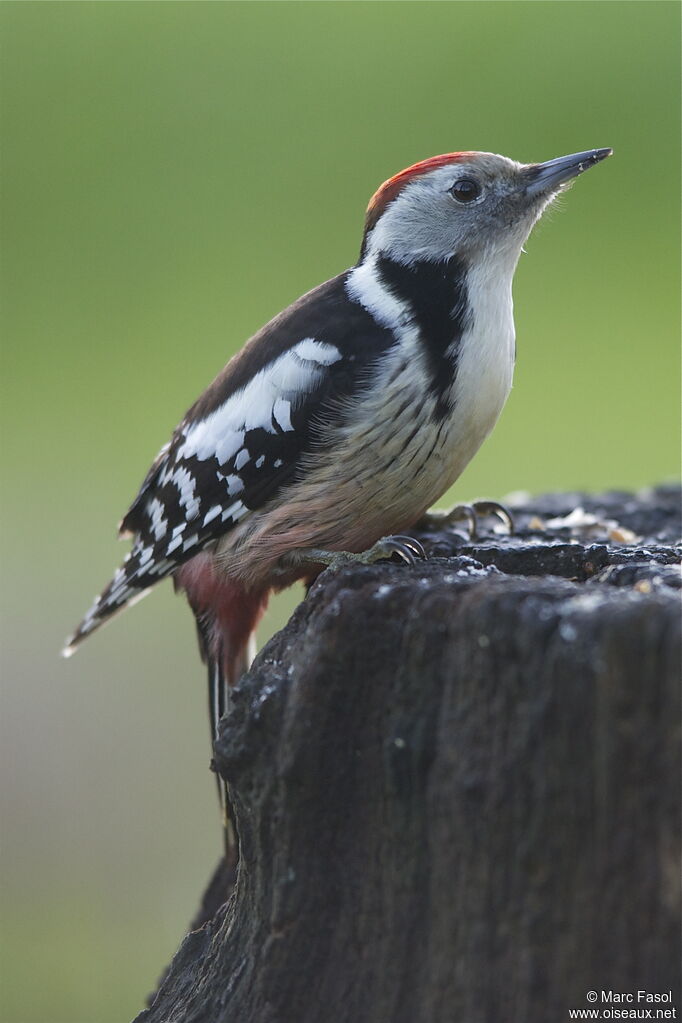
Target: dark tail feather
(219, 683)
(218, 702)
(224, 671)
(226, 615)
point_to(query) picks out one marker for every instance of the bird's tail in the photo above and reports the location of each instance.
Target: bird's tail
(220, 682)
(226, 615)
(131, 582)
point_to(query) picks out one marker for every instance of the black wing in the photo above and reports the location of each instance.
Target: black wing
(244, 439)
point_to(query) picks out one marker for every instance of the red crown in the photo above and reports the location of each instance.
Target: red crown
(390, 189)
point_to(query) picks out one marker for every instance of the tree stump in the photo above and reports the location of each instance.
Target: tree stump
(457, 786)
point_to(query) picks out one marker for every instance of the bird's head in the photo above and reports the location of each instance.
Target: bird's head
(472, 205)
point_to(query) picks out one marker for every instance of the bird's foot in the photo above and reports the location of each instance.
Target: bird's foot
(403, 547)
(469, 513)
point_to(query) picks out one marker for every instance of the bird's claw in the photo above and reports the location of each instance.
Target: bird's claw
(406, 547)
(470, 513)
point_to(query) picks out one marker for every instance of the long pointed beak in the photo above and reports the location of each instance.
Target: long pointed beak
(546, 177)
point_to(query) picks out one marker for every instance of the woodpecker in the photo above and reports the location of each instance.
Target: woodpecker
(349, 414)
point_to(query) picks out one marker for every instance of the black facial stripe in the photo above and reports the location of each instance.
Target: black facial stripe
(437, 295)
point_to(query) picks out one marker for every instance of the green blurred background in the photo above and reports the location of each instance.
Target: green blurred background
(173, 175)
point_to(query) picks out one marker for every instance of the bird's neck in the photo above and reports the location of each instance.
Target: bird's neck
(443, 307)
(423, 301)
(429, 295)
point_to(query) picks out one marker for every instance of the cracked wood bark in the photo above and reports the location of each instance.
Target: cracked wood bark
(457, 788)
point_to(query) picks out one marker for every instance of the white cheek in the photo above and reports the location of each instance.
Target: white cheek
(420, 223)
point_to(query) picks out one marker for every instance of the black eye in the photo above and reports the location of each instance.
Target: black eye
(466, 190)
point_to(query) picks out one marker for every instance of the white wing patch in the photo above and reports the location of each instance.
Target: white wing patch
(317, 351)
(235, 512)
(269, 395)
(281, 413)
(157, 514)
(186, 485)
(234, 484)
(211, 514)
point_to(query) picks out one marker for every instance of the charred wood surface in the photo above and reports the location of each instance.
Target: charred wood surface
(457, 785)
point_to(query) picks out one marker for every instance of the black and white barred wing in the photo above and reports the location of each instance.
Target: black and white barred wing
(226, 459)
